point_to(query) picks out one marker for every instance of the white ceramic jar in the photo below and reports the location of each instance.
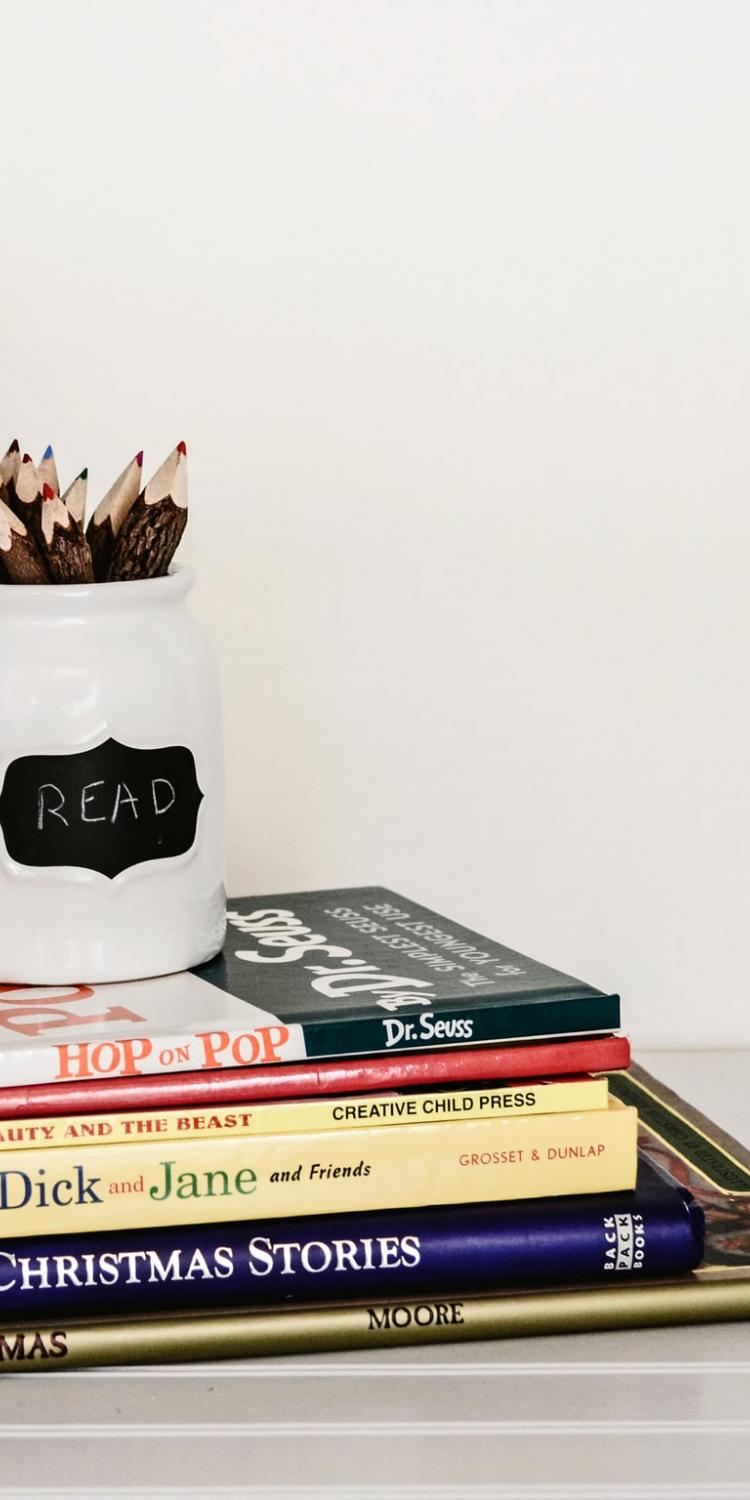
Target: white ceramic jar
(111, 783)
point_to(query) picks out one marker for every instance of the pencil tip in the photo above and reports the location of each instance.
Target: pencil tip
(139, 459)
(182, 448)
(48, 492)
(47, 452)
(27, 459)
(84, 474)
(14, 446)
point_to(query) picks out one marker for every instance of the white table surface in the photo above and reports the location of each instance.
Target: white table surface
(642, 1415)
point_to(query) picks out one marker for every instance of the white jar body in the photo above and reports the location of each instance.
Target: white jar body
(111, 784)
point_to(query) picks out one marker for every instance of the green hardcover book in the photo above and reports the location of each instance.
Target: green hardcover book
(363, 970)
(682, 1144)
(315, 974)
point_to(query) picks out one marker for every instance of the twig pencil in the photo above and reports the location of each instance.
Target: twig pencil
(75, 496)
(19, 560)
(150, 533)
(64, 547)
(9, 468)
(26, 496)
(109, 515)
(47, 470)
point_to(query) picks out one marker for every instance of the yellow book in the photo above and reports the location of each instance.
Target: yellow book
(125, 1186)
(434, 1107)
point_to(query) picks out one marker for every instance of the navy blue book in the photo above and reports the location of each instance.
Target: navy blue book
(654, 1231)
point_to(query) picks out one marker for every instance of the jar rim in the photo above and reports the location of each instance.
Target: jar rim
(40, 598)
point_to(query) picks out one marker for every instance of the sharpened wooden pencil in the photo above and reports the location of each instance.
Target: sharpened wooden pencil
(150, 533)
(9, 464)
(47, 470)
(75, 496)
(19, 559)
(26, 496)
(109, 515)
(64, 548)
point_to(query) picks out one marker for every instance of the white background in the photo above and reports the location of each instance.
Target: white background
(450, 301)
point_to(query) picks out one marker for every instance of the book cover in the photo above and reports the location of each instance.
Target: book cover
(291, 1116)
(89, 1188)
(340, 973)
(680, 1142)
(302, 1080)
(655, 1230)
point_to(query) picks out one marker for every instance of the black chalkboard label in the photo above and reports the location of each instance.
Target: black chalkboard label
(103, 809)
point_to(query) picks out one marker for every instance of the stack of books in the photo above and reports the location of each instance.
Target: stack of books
(361, 1125)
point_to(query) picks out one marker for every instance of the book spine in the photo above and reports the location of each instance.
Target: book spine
(349, 1075)
(477, 1025)
(405, 1166)
(350, 1256)
(372, 1326)
(438, 1107)
(115, 1054)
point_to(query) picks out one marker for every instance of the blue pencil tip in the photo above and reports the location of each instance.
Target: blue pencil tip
(47, 453)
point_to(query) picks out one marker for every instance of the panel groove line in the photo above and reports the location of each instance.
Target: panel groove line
(301, 1370)
(658, 1490)
(159, 1431)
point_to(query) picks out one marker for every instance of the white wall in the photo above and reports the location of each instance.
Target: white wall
(450, 301)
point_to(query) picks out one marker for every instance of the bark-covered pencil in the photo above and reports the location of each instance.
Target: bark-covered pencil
(148, 537)
(25, 497)
(9, 468)
(64, 547)
(75, 496)
(19, 559)
(109, 515)
(47, 470)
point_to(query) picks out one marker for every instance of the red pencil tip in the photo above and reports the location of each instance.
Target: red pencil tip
(139, 459)
(48, 492)
(182, 448)
(27, 459)
(14, 446)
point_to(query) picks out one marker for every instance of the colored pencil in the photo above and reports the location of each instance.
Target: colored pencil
(25, 498)
(150, 533)
(109, 515)
(64, 547)
(47, 470)
(75, 496)
(9, 468)
(19, 559)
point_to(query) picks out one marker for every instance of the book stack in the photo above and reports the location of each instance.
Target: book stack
(361, 1124)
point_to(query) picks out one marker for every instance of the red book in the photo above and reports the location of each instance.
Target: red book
(349, 1075)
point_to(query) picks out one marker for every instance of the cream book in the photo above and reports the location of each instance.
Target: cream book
(401, 1107)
